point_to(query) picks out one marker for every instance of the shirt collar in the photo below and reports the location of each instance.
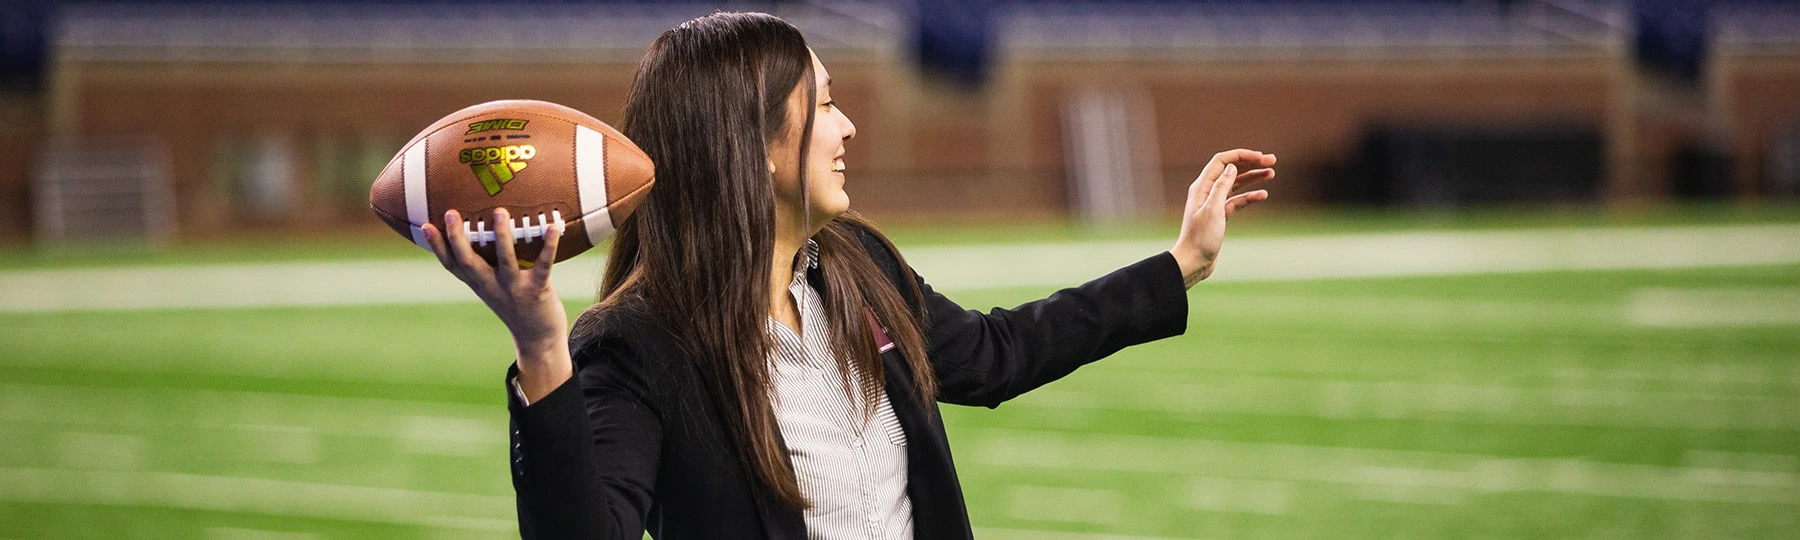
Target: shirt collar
(809, 257)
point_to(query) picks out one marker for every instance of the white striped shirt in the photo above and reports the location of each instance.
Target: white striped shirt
(851, 467)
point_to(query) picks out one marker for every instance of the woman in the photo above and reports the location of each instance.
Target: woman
(762, 363)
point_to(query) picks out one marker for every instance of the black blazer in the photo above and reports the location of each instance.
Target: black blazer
(635, 442)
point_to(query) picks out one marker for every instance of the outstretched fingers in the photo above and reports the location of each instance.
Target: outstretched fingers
(1244, 199)
(1250, 161)
(1254, 176)
(1244, 158)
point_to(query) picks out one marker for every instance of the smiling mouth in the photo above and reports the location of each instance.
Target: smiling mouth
(837, 165)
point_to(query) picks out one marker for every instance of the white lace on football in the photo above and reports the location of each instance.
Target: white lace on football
(522, 231)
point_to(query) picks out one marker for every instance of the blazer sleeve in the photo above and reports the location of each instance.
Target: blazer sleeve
(585, 456)
(986, 359)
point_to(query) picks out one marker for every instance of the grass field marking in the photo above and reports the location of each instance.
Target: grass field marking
(508, 525)
(1410, 485)
(446, 435)
(1480, 252)
(88, 450)
(1706, 308)
(1704, 406)
(275, 443)
(1376, 255)
(1188, 456)
(1698, 376)
(425, 427)
(1373, 467)
(1029, 265)
(246, 285)
(251, 285)
(234, 533)
(1414, 312)
(1065, 504)
(991, 533)
(1241, 495)
(1751, 461)
(251, 495)
(1742, 468)
(255, 285)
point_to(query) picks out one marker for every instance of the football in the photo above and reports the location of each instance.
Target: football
(543, 162)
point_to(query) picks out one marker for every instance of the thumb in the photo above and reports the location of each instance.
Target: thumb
(1221, 189)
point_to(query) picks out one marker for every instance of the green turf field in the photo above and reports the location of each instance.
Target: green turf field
(376, 242)
(1609, 404)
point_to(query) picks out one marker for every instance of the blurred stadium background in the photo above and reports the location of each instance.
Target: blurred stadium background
(1532, 268)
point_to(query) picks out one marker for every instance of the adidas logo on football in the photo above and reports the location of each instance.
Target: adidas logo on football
(494, 166)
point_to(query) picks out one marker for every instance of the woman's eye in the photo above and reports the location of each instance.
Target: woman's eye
(830, 104)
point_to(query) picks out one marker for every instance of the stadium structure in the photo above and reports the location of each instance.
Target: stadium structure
(182, 119)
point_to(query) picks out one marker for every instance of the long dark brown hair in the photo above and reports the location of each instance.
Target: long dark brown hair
(708, 99)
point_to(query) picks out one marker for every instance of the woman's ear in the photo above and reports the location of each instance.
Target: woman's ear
(771, 168)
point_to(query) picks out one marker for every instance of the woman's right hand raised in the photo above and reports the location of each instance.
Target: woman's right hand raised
(524, 299)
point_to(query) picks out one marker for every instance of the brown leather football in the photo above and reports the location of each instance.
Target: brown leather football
(543, 162)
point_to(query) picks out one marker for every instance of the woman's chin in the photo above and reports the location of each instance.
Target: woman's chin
(830, 209)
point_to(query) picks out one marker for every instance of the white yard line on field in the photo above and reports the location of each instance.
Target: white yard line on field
(461, 512)
(1700, 308)
(1382, 474)
(946, 267)
(1694, 405)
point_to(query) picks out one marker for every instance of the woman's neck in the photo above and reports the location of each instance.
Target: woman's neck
(788, 240)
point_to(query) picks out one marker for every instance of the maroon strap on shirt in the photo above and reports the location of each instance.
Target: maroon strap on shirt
(882, 343)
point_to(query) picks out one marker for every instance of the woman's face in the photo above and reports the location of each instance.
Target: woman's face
(824, 196)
